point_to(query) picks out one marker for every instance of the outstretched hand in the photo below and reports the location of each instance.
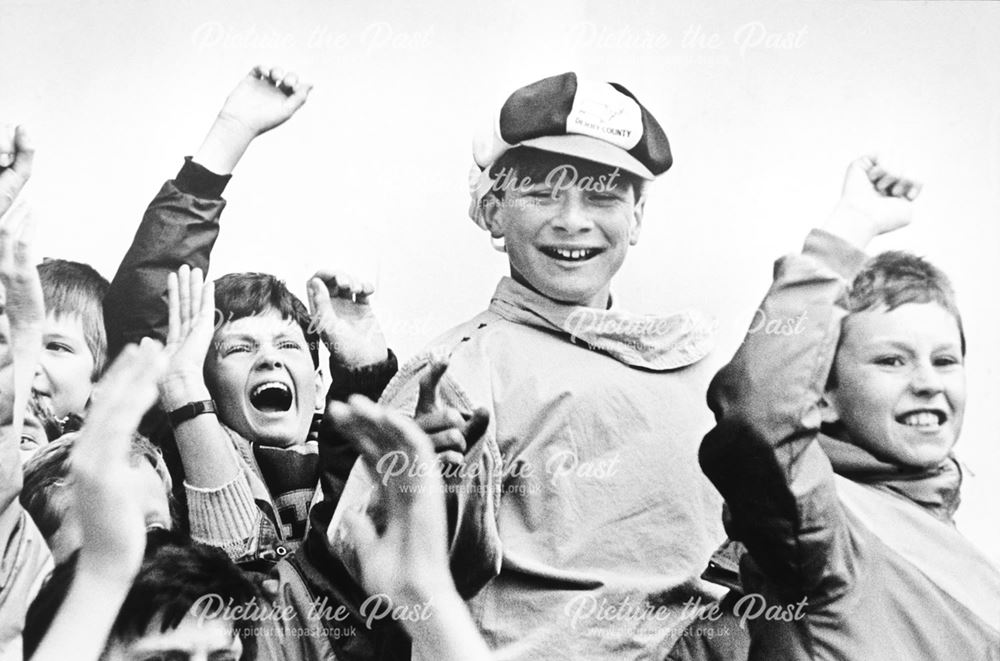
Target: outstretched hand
(343, 317)
(407, 559)
(25, 310)
(105, 487)
(876, 199)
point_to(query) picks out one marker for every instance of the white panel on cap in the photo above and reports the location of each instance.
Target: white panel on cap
(601, 111)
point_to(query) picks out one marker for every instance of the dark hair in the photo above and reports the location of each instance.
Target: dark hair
(174, 575)
(536, 164)
(240, 295)
(73, 288)
(45, 493)
(895, 278)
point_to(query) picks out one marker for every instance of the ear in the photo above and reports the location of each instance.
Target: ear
(320, 404)
(636, 225)
(490, 213)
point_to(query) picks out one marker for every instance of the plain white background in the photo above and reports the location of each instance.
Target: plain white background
(765, 103)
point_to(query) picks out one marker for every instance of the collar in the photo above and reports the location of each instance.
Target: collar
(935, 489)
(653, 342)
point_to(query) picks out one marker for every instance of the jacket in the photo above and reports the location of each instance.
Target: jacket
(848, 557)
(579, 522)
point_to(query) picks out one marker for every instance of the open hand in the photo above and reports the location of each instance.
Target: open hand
(343, 317)
(105, 486)
(405, 557)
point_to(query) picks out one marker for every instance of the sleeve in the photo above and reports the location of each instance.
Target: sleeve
(227, 518)
(180, 226)
(763, 454)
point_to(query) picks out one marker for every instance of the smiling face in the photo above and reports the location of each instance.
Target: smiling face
(66, 367)
(260, 374)
(899, 390)
(567, 242)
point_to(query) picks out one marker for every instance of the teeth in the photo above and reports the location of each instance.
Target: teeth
(573, 254)
(270, 384)
(921, 419)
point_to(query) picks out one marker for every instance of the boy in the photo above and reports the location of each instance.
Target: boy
(833, 451)
(583, 499)
(47, 494)
(259, 375)
(74, 341)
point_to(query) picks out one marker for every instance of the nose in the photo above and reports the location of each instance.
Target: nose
(269, 357)
(925, 379)
(572, 214)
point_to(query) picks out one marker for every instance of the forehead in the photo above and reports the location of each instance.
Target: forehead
(914, 324)
(65, 324)
(266, 324)
(192, 635)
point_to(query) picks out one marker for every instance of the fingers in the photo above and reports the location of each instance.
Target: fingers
(184, 290)
(7, 150)
(127, 391)
(888, 180)
(24, 152)
(340, 284)
(476, 425)
(173, 310)
(427, 399)
(288, 83)
(377, 430)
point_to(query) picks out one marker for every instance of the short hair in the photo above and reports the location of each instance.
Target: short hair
(174, 576)
(537, 164)
(894, 278)
(73, 288)
(175, 573)
(240, 295)
(45, 493)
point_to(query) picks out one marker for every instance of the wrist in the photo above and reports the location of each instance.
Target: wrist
(850, 223)
(224, 145)
(179, 388)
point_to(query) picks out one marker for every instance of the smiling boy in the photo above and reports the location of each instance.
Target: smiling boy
(583, 498)
(833, 450)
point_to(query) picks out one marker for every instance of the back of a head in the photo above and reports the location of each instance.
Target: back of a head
(175, 574)
(240, 295)
(73, 288)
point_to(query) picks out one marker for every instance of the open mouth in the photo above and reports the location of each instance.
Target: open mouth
(271, 397)
(571, 254)
(923, 418)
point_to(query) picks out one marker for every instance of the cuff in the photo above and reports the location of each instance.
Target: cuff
(224, 517)
(840, 255)
(369, 380)
(197, 180)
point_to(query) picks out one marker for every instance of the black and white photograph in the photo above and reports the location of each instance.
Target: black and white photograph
(499, 331)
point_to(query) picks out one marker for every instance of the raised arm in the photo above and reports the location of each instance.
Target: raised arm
(181, 224)
(762, 455)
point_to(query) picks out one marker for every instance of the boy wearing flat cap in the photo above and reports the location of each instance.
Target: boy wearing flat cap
(579, 521)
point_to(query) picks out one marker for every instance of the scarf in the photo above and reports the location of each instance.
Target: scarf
(652, 342)
(936, 489)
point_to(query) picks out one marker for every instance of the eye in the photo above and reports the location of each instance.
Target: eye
(290, 344)
(890, 361)
(59, 347)
(231, 349)
(604, 198)
(947, 361)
